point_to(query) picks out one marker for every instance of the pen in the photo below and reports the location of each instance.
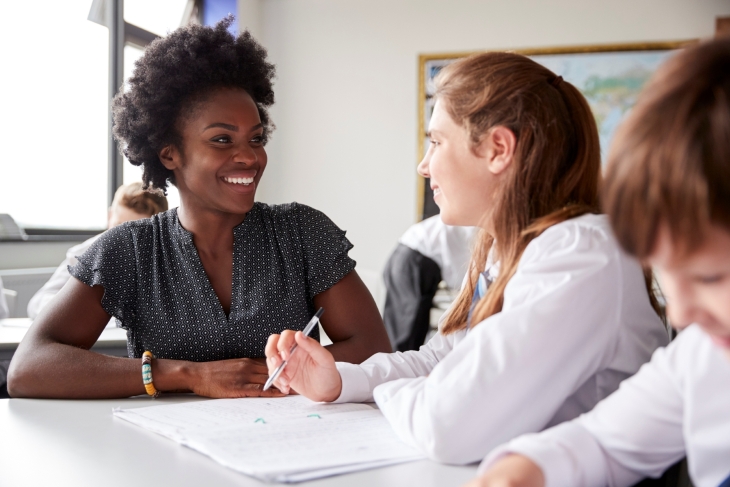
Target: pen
(307, 330)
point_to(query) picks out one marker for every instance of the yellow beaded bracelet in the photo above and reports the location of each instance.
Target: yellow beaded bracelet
(149, 386)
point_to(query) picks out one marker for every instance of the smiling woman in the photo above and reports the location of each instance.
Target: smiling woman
(201, 286)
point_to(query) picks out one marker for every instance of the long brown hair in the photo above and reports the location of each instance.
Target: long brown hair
(670, 164)
(556, 168)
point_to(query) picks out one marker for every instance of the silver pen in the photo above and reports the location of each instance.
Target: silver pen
(307, 330)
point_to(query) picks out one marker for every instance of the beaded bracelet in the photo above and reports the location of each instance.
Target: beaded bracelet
(149, 386)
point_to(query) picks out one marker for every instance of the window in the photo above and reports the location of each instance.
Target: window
(54, 122)
(55, 93)
(57, 167)
(156, 16)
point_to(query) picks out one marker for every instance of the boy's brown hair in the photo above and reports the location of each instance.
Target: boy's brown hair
(670, 163)
(133, 196)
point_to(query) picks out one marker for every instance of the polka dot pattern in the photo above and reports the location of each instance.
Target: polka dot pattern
(156, 286)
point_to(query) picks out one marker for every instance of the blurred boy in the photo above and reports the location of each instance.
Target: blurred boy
(427, 253)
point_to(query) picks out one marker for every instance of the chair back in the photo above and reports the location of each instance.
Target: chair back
(11, 298)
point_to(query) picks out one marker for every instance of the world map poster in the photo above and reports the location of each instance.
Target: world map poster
(610, 81)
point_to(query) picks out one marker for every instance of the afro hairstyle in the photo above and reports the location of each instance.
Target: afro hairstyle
(174, 73)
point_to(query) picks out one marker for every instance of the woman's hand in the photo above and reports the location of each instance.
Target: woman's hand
(243, 377)
(511, 471)
(310, 371)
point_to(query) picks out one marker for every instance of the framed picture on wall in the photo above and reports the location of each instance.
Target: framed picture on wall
(609, 76)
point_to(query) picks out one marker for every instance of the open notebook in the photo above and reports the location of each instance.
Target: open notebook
(288, 439)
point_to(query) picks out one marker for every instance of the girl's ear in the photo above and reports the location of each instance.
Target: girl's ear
(169, 157)
(498, 148)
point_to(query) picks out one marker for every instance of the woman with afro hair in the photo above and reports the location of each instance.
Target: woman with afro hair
(201, 286)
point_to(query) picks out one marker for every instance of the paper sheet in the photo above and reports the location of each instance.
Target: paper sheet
(287, 439)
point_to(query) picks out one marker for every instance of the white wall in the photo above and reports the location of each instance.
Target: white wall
(347, 88)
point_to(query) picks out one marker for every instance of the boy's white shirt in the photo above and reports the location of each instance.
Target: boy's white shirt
(677, 405)
(576, 321)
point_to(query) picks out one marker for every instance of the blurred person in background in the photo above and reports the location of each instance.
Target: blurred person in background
(131, 202)
(428, 252)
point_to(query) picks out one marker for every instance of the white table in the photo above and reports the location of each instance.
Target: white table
(80, 443)
(113, 341)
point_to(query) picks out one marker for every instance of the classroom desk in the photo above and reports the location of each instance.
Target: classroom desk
(113, 341)
(80, 443)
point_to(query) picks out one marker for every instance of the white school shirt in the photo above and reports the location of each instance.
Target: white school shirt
(448, 246)
(677, 405)
(576, 321)
(58, 279)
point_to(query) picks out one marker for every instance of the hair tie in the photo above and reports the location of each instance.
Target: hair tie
(556, 81)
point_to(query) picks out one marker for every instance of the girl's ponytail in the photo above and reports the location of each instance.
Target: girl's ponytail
(583, 177)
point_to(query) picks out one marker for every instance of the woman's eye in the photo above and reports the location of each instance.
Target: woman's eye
(258, 139)
(433, 142)
(711, 279)
(222, 139)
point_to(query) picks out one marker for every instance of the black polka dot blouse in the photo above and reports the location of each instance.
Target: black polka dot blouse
(155, 285)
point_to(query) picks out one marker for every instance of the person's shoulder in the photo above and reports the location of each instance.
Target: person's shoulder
(137, 230)
(586, 224)
(691, 356)
(692, 340)
(79, 249)
(585, 232)
(158, 220)
(587, 238)
(290, 212)
(423, 231)
(165, 221)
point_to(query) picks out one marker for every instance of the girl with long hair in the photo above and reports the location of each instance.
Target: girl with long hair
(667, 194)
(552, 314)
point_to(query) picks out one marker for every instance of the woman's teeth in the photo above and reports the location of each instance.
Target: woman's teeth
(436, 191)
(244, 181)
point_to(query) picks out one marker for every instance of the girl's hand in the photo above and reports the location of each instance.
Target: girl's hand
(243, 377)
(310, 371)
(511, 471)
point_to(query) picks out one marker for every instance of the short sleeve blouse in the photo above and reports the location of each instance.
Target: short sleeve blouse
(156, 286)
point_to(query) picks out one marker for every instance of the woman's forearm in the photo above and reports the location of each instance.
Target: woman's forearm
(56, 370)
(359, 348)
(352, 321)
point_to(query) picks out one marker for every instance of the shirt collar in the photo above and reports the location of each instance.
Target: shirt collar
(186, 237)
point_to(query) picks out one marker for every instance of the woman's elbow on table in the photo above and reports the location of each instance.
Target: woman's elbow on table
(19, 380)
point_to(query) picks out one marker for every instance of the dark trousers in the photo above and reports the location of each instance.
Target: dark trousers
(676, 476)
(411, 281)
